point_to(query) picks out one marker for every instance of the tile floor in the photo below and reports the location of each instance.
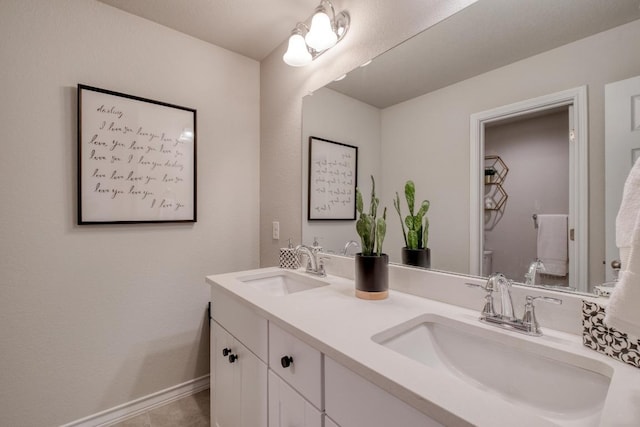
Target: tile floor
(190, 411)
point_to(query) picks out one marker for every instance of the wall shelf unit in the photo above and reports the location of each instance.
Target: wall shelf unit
(495, 172)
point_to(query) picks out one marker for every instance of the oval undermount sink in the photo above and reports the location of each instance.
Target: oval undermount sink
(563, 387)
(281, 283)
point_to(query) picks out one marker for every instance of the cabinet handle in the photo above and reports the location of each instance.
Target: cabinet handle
(233, 358)
(226, 352)
(286, 361)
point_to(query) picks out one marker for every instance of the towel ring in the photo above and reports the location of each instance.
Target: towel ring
(535, 220)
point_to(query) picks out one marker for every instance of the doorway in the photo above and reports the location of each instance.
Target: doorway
(535, 148)
(574, 103)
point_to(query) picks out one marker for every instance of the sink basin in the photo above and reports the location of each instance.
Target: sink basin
(281, 283)
(561, 386)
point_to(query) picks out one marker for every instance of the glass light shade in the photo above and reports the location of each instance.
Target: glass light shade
(297, 54)
(321, 35)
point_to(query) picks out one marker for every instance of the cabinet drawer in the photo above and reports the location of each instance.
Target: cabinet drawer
(353, 401)
(242, 322)
(288, 408)
(304, 370)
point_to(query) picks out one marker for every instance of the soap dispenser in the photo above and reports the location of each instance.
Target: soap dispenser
(289, 257)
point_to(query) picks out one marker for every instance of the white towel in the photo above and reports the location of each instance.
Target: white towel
(553, 244)
(623, 311)
(629, 208)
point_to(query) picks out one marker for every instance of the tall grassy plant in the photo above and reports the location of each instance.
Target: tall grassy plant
(370, 228)
(416, 233)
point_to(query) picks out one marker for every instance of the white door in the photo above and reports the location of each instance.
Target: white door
(239, 395)
(622, 146)
(573, 206)
(253, 389)
(225, 395)
(287, 408)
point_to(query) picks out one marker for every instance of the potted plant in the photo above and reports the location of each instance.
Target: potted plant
(416, 233)
(372, 266)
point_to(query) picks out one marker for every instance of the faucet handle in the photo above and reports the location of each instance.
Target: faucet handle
(550, 300)
(529, 319)
(484, 287)
(488, 310)
(321, 261)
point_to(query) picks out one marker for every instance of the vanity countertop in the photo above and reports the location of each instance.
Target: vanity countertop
(334, 321)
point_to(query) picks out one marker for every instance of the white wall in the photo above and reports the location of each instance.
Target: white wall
(376, 26)
(95, 316)
(336, 117)
(536, 151)
(440, 120)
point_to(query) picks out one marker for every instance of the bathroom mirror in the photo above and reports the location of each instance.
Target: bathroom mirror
(409, 112)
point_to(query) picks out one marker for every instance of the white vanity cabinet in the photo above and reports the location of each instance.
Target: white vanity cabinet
(239, 383)
(295, 381)
(352, 401)
(297, 363)
(264, 376)
(239, 342)
(287, 407)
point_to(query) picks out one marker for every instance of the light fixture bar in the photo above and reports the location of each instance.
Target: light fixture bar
(323, 33)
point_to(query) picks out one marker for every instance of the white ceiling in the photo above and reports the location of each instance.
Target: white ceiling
(252, 28)
(484, 36)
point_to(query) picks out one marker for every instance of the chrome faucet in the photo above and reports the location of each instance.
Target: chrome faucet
(506, 318)
(349, 244)
(535, 267)
(503, 285)
(314, 266)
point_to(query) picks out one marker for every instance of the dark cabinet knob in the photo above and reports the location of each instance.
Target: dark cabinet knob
(286, 361)
(226, 352)
(233, 358)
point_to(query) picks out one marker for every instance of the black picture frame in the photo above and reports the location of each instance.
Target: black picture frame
(137, 159)
(333, 178)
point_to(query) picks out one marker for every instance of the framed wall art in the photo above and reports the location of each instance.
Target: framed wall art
(333, 172)
(136, 159)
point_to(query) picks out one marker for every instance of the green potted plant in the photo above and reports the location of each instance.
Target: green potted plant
(416, 234)
(372, 266)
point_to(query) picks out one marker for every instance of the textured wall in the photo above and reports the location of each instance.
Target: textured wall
(376, 26)
(95, 316)
(444, 126)
(334, 116)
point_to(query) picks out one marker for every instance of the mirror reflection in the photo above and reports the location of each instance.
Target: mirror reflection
(409, 111)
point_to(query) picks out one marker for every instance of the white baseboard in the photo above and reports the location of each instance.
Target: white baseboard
(143, 404)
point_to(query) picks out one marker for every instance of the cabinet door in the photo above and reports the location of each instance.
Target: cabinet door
(287, 408)
(225, 392)
(253, 389)
(353, 401)
(238, 382)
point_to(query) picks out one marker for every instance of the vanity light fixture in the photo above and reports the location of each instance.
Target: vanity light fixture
(306, 43)
(297, 54)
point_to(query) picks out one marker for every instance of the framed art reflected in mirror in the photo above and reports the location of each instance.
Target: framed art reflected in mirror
(333, 171)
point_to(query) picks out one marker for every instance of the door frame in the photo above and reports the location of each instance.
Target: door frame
(576, 99)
